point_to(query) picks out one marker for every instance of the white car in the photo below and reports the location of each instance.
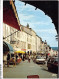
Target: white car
(39, 60)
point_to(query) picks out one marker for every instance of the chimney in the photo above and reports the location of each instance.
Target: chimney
(27, 25)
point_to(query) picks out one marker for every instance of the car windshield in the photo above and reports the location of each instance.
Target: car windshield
(53, 59)
(56, 59)
(38, 57)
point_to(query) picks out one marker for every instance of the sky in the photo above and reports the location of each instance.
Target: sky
(38, 21)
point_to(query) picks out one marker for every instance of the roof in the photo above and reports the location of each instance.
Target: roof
(38, 36)
(10, 16)
(27, 30)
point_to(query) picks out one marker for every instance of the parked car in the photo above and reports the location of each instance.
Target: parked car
(52, 64)
(39, 59)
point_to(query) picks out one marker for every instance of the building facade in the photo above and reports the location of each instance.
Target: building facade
(31, 39)
(25, 40)
(38, 44)
(6, 32)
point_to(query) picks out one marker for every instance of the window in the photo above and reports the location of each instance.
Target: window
(29, 46)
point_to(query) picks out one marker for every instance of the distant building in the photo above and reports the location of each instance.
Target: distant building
(31, 39)
(42, 47)
(38, 44)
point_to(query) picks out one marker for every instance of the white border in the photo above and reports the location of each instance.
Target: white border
(1, 38)
(1, 43)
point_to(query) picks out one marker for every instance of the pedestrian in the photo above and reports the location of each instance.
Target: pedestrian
(8, 59)
(23, 57)
(16, 57)
(46, 56)
(14, 61)
(29, 59)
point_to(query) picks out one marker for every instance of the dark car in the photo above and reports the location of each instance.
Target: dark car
(52, 64)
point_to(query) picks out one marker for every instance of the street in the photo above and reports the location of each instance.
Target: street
(23, 69)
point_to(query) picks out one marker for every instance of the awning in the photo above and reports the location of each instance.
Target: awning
(10, 48)
(7, 47)
(22, 52)
(9, 15)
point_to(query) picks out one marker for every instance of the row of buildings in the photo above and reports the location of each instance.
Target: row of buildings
(25, 40)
